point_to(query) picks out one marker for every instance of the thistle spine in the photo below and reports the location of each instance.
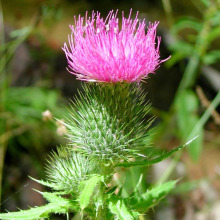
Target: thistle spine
(107, 121)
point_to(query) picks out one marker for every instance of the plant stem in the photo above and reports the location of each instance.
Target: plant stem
(168, 11)
(2, 96)
(101, 215)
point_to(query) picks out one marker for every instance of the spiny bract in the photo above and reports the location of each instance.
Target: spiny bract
(107, 121)
(66, 169)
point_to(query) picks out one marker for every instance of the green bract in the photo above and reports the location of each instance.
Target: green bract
(67, 169)
(107, 121)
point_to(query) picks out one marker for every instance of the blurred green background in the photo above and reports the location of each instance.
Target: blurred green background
(184, 94)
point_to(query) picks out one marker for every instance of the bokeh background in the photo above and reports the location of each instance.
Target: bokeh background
(35, 88)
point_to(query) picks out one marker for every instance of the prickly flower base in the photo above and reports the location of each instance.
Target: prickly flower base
(107, 128)
(107, 121)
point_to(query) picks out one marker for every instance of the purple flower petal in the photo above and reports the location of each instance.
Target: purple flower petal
(104, 51)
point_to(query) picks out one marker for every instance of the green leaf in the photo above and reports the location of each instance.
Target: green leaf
(112, 190)
(212, 57)
(195, 148)
(152, 197)
(58, 205)
(176, 57)
(118, 207)
(184, 23)
(21, 32)
(33, 213)
(28, 110)
(215, 20)
(185, 187)
(187, 105)
(213, 34)
(182, 47)
(87, 192)
(44, 183)
(57, 199)
(148, 162)
(132, 181)
(180, 50)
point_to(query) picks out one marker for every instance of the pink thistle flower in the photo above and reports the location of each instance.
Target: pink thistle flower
(101, 50)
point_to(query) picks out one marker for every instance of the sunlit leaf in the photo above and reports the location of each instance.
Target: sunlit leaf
(33, 213)
(87, 192)
(148, 162)
(58, 205)
(119, 208)
(44, 183)
(152, 197)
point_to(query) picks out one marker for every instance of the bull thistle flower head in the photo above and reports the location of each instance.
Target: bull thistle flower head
(107, 120)
(105, 51)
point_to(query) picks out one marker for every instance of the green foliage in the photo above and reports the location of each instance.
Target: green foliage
(186, 187)
(148, 162)
(20, 102)
(119, 208)
(187, 118)
(195, 44)
(33, 213)
(106, 125)
(107, 121)
(206, 2)
(23, 114)
(186, 22)
(151, 198)
(212, 57)
(57, 205)
(7, 50)
(88, 190)
(51, 13)
(107, 129)
(182, 49)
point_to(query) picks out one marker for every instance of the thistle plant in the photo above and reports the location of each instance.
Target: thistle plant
(107, 126)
